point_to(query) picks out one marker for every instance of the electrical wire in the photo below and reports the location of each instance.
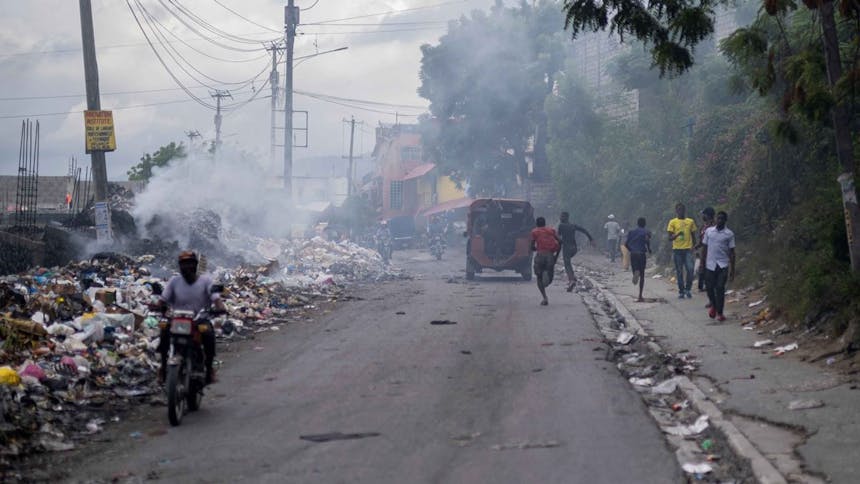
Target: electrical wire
(225, 7)
(387, 13)
(159, 37)
(361, 108)
(210, 39)
(360, 101)
(179, 39)
(308, 8)
(120, 108)
(358, 32)
(164, 64)
(206, 25)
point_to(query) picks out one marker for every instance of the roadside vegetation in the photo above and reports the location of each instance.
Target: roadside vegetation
(744, 126)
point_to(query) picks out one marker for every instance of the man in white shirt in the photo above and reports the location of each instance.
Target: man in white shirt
(719, 256)
(613, 230)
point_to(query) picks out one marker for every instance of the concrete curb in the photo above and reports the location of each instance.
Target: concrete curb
(764, 471)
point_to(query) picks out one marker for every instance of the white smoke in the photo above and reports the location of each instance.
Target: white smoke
(235, 185)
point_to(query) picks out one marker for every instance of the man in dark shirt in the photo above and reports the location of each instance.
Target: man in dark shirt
(567, 232)
(638, 242)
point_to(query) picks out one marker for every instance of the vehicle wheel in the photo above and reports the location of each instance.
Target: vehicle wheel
(470, 269)
(175, 395)
(195, 397)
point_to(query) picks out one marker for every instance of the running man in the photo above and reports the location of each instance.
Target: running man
(567, 231)
(682, 233)
(639, 241)
(546, 244)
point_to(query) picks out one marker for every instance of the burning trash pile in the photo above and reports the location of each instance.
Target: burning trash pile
(78, 345)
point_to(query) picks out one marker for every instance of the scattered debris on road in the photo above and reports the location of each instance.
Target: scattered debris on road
(442, 322)
(805, 404)
(331, 436)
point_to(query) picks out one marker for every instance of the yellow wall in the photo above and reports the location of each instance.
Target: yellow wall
(425, 192)
(447, 190)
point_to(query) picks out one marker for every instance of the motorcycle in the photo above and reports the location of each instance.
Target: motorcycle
(437, 246)
(186, 366)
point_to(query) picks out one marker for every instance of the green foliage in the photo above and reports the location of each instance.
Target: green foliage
(486, 81)
(671, 28)
(161, 158)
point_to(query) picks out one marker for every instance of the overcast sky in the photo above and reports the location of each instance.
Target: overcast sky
(41, 60)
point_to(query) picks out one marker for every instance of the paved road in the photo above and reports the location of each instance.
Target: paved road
(451, 403)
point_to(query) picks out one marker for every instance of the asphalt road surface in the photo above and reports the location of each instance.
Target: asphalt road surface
(513, 392)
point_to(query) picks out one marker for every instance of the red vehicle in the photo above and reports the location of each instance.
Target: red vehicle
(499, 236)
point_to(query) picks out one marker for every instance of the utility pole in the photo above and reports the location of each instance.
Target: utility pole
(291, 20)
(273, 82)
(91, 74)
(218, 95)
(351, 175)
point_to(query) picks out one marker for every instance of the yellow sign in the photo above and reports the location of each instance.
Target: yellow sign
(99, 131)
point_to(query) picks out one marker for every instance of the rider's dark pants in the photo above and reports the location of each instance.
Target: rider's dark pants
(207, 338)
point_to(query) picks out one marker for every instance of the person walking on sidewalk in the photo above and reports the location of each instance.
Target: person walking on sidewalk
(719, 252)
(613, 230)
(682, 233)
(567, 231)
(547, 245)
(707, 222)
(639, 241)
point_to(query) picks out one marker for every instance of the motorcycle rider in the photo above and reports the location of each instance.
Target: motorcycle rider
(383, 237)
(189, 291)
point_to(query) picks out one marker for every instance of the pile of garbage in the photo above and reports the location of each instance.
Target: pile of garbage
(77, 343)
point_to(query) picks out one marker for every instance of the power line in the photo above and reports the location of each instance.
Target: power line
(352, 106)
(164, 64)
(210, 39)
(159, 37)
(203, 23)
(361, 101)
(179, 39)
(111, 93)
(388, 12)
(365, 32)
(120, 108)
(247, 19)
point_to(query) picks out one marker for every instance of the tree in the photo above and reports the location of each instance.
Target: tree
(673, 28)
(487, 80)
(161, 158)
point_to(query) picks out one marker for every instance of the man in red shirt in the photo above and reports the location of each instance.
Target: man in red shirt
(546, 244)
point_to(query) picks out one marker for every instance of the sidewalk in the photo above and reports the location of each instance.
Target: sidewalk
(753, 386)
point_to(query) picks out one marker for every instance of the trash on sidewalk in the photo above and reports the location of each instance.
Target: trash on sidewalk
(781, 330)
(701, 468)
(805, 404)
(642, 382)
(762, 343)
(442, 322)
(625, 338)
(677, 407)
(667, 387)
(781, 350)
(756, 303)
(696, 428)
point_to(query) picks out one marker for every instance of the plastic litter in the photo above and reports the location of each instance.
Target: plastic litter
(642, 382)
(700, 468)
(667, 387)
(696, 428)
(9, 376)
(805, 404)
(781, 350)
(762, 343)
(624, 338)
(756, 303)
(707, 444)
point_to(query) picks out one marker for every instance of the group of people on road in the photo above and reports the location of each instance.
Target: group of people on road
(713, 242)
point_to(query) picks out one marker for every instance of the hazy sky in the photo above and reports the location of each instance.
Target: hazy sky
(41, 60)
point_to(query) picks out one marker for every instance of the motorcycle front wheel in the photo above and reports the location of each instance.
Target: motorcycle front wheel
(175, 394)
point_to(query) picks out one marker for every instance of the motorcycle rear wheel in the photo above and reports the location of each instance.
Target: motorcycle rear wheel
(175, 394)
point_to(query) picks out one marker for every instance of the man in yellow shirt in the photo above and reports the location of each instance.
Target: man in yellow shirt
(682, 233)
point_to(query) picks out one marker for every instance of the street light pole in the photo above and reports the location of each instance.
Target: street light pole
(291, 20)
